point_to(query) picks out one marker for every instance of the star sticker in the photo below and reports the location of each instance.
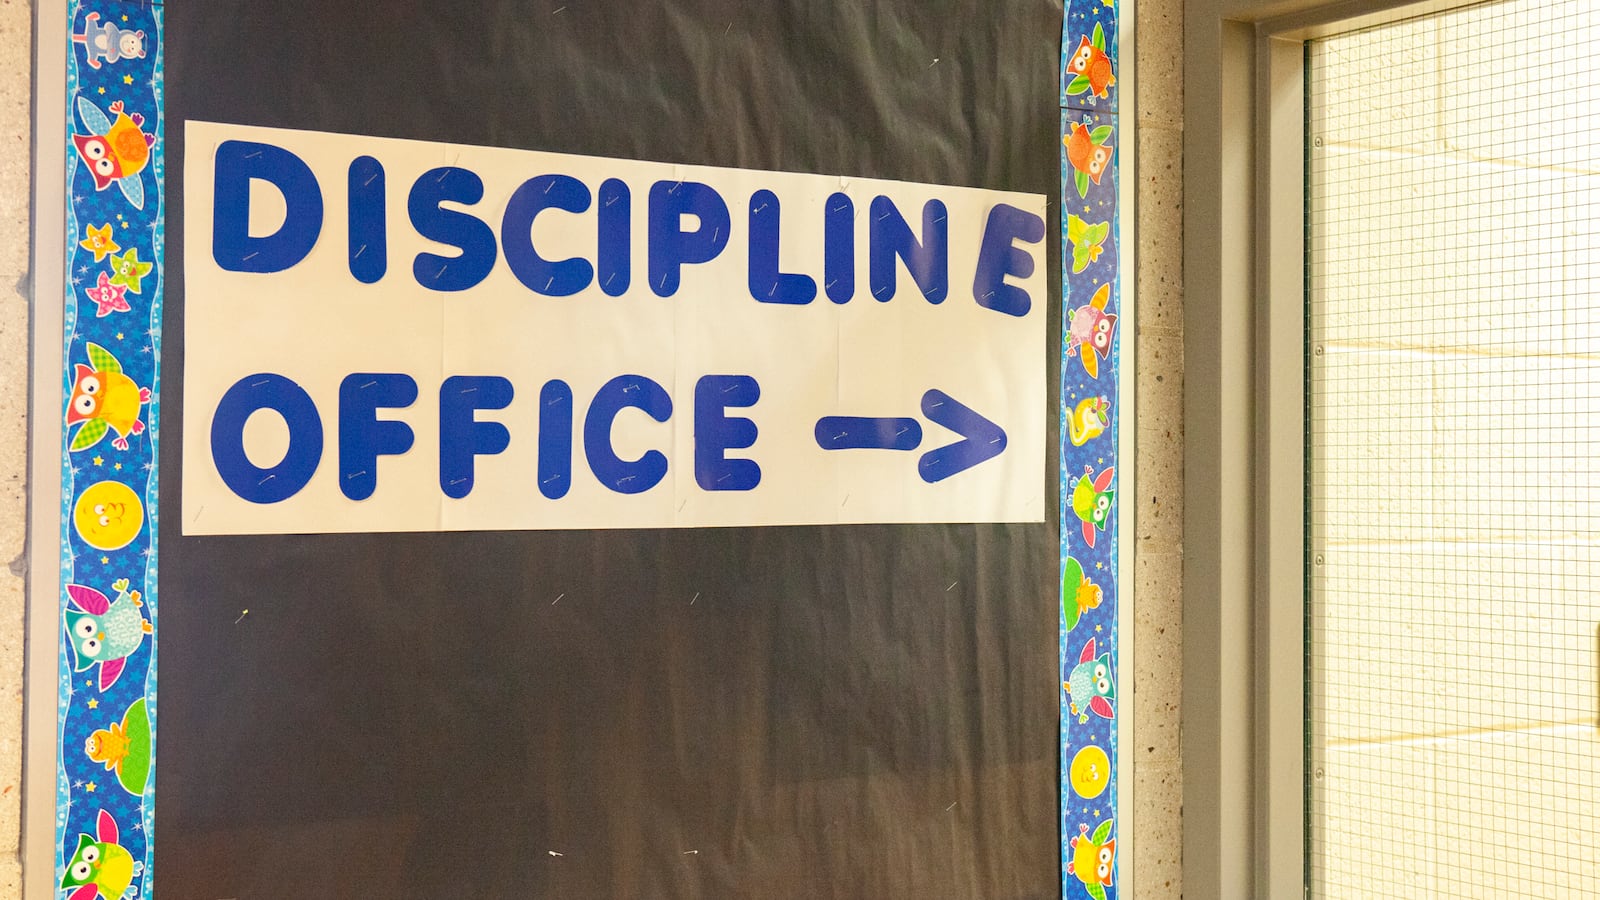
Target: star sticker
(109, 296)
(129, 271)
(124, 224)
(93, 703)
(99, 241)
(105, 560)
(1097, 629)
(117, 466)
(1099, 565)
(102, 90)
(119, 335)
(99, 460)
(89, 787)
(127, 79)
(89, 683)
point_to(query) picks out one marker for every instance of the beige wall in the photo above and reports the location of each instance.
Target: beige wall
(1158, 574)
(1159, 468)
(16, 145)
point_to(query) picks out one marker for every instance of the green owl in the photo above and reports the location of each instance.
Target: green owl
(1091, 500)
(100, 868)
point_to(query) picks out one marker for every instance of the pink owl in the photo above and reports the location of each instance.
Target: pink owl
(1091, 329)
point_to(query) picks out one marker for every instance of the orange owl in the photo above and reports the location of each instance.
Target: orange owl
(103, 398)
(1091, 62)
(1088, 152)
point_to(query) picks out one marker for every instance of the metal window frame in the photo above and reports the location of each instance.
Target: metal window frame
(1243, 696)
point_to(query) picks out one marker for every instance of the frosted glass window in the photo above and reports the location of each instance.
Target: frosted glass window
(1453, 455)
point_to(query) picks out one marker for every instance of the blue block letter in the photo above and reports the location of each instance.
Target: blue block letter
(362, 437)
(461, 437)
(553, 279)
(670, 246)
(237, 164)
(715, 433)
(615, 395)
(928, 261)
(289, 400)
(449, 226)
(767, 283)
(998, 257)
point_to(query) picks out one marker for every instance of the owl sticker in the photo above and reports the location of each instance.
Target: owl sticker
(1091, 66)
(1091, 501)
(115, 152)
(1087, 240)
(103, 399)
(101, 867)
(1089, 419)
(1089, 154)
(104, 632)
(1078, 593)
(1089, 686)
(1094, 859)
(1090, 331)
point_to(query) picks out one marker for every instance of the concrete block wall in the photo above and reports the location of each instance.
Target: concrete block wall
(1158, 570)
(16, 149)
(1456, 386)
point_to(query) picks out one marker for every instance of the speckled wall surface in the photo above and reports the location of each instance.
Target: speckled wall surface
(1158, 572)
(16, 140)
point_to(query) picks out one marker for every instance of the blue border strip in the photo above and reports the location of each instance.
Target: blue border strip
(105, 770)
(1090, 422)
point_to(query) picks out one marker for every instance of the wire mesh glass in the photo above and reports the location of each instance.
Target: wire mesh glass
(1453, 464)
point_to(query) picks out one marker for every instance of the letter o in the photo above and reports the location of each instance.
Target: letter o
(299, 412)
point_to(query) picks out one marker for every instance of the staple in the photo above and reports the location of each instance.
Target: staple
(359, 252)
(355, 474)
(882, 217)
(552, 184)
(550, 479)
(901, 431)
(608, 279)
(558, 10)
(951, 587)
(934, 63)
(554, 853)
(440, 273)
(458, 481)
(468, 390)
(880, 290)
(674, 188)
(728, 29)
(730, 387)
(252, 155)
(936, 405)
(368, 384)
(952, 805)
(716, 233)
(840, 435)
(241, 617)
(758, 209)
(773, 290)
(845, 500)
(631, 387)
(548, 283)
(829, 285)
(691, 603)
(252, 254)
(988, 295)
(369, 179)
(691, 853)
(840, 207)
(625, 478)
(553, 402)
(614, 199)
(663, 285)
(940, 219)
(725, 478)
(257, 383)
(553, 603)
(995, 441)
(265, 480)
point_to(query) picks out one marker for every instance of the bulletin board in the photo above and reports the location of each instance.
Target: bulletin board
(430, 690)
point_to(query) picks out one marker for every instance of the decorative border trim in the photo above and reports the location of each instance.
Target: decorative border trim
(106, 714)
(1090, 425)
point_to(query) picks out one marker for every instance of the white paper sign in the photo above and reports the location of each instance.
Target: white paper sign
(390, 335)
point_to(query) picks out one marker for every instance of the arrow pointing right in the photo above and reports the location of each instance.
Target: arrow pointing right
(983, 438)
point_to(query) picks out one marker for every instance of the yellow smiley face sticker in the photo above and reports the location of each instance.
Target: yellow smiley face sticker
(108, 515)
(1090, 772)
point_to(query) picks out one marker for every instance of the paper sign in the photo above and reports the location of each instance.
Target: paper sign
(390, 335)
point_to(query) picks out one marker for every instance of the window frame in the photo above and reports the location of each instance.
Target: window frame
(1244, 634)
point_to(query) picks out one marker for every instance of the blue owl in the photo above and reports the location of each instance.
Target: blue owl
(1089, 687)
(104, 631)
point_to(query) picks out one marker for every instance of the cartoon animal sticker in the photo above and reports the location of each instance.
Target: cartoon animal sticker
(108, 42)
(1091, 66)
(103, 398)
(1090, 772)
(115, 152)
(1078, 593)
(108, 297)
(1089, 686)
(124, 748)
(1094, 859)
(108, 515)
(99, 241)
(1087, 241)
(101, 867)
(128, 271)
(1090, 331)
(1091, 501)
(1089, 154)
(104, 632)
(1092, 416)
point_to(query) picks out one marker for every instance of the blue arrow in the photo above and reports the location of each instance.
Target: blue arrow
(983, 438)
(858, 433)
